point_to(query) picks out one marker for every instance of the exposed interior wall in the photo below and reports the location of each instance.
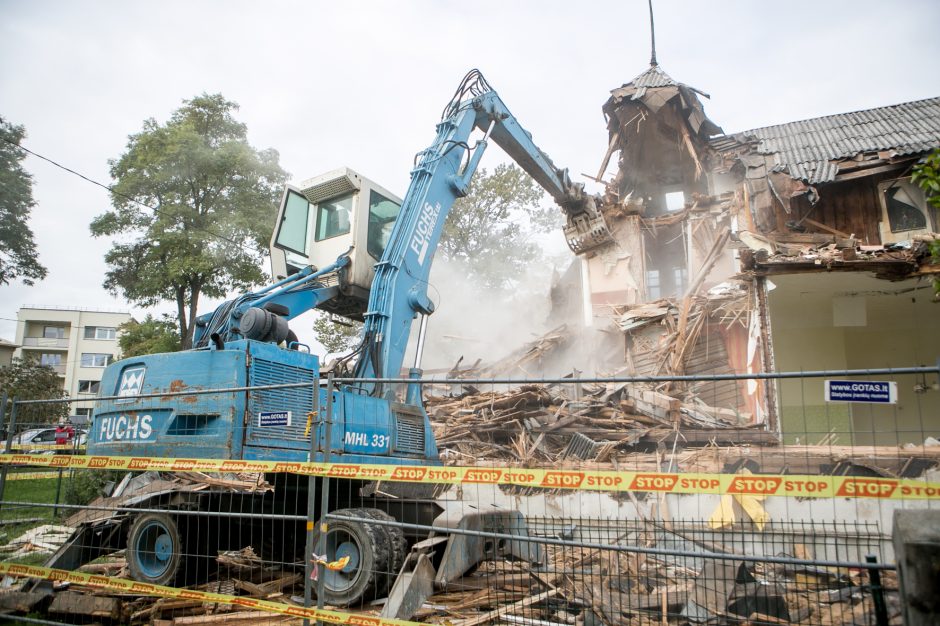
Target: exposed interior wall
(855, 321)
(616, 272)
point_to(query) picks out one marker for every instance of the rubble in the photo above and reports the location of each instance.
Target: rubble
(578, 586)
(40, 541)
(537, 422)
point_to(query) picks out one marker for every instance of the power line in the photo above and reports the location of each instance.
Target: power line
(111, 190)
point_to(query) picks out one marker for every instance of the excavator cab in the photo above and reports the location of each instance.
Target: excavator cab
(325, 217)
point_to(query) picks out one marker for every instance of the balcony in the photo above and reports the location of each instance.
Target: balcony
(44, 342)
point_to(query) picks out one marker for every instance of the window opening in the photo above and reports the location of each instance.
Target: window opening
(92, 359)
(333, 217)
(675, 201)
(382, 215)
(89, 386)
(100, 332)
(292, 231)
(50, 359)
(53, 332)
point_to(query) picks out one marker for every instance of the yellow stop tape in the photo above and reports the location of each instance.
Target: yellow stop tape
(802, 486)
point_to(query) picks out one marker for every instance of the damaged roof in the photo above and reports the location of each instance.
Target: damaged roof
(653, 77)
(809, 150)
(654, 88)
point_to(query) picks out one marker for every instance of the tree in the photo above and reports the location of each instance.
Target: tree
(26, 379)
(336, 334)
(927, 176)
(18, 257)
(151, 336)
(490, 231)
(215, 200)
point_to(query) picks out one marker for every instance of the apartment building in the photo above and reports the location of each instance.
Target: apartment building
(77, 343)
(6, 352)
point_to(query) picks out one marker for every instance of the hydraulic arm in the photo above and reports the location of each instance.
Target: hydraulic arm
(399, 292)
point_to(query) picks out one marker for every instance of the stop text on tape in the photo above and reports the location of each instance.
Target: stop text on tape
(804, 486)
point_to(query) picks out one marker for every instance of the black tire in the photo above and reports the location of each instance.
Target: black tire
(367, 545)
(397, 551)
(154, 550)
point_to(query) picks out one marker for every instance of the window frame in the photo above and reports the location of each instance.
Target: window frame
(93, 331)
(370, 240)
(57, 357)
(320, 213)
(94, 386)
(108, 359)
(889, 234)
(278, 242)
(59, 334)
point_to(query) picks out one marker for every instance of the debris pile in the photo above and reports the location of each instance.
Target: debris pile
(36, 542)
(834, 250)
(581, 586)
(539, 422)
(576, 585)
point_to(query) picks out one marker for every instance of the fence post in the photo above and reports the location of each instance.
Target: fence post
(7, 448)
(916, 538)
(311, 497)
(877, 592)
(325, 486)
(3, 412)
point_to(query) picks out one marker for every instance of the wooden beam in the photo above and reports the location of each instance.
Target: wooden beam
(828, 229)
(74, 603)
(497, 613)
(871, 171)
(614, 140)
(713, 255)
(242, 617)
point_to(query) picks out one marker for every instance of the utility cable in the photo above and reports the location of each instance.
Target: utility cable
(112, 190)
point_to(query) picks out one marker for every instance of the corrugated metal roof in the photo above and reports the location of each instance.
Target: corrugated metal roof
(807, 149)
(653, 77)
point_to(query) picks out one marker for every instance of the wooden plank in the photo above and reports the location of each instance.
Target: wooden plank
(870, 171)
(21, 601)
(242, 617)
(828, 229)
(496, 613)
(74, 603)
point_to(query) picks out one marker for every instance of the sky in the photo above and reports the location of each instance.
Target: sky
(362, 84)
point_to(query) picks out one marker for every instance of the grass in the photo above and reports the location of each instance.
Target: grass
(40, 491)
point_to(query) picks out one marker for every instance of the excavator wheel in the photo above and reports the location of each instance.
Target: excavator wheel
(370, 556)
(154, 549)
(398, 549)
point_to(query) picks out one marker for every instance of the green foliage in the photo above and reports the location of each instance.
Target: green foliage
(86, 485)
(336, 335)
(18, 257)
(216, 198)
(26, 379)
(152, 336)
(491, 230)
(927, 176)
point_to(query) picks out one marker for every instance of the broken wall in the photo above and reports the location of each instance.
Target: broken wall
(861, 323)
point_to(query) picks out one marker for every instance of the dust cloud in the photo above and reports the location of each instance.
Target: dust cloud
(477, 322)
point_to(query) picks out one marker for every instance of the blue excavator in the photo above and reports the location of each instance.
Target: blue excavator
(345, 245)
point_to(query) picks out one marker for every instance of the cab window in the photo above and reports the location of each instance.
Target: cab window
(382, 215)
(333, 217)
(292, 232)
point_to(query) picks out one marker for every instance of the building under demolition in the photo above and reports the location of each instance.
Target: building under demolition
(800, 246)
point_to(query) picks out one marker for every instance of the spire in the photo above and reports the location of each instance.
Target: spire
(653, 62)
